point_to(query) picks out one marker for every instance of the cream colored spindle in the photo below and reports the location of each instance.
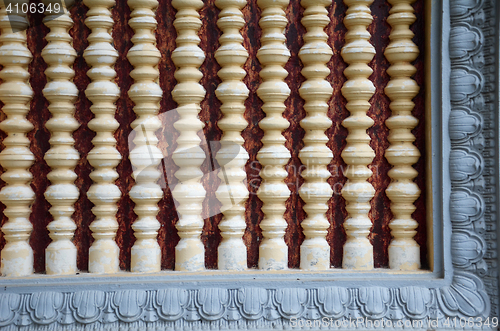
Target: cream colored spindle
(232, 92)
(316, 91)
(357, 154)
(62, 157)
(103, 92)
(273, 156)
(404, 252)
(188, 93)
(16, 158)
(145, 156)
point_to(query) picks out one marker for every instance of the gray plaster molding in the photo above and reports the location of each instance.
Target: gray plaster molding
(464, 282)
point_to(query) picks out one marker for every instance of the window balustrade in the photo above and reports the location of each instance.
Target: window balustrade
(301, 107)
(249, 164)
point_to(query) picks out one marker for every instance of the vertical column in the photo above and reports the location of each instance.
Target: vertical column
(188, 93)
(358, 89)
(16, 158)
(316, 91)
(62, 157)
(103, 92)
(404, 252)
(232, 92)
(273, 156)
(145, 156)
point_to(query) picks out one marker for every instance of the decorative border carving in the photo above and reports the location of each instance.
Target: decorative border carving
(473, 126)
(240, 306)
(470, 285)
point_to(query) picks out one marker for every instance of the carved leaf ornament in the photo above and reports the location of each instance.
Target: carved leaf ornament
(333, 301)
(88, 305)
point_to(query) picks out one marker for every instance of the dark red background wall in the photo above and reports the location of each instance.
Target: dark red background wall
(210, 114)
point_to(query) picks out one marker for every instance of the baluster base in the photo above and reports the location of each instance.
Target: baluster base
(315, 254)
(190, 255)
(17, 260)
(273, 254)
(146, 256)
(60, 258)
(358, 254)
(404, 255)
(103, 257)
(232, 255)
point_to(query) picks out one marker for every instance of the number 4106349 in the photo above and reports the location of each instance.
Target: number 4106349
(33, 8)
(471, 322)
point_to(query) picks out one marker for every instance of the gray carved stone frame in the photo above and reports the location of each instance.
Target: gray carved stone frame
(464, 70)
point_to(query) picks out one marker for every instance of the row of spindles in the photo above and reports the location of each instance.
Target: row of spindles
(103, 92)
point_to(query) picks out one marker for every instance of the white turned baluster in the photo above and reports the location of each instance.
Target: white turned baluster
(404, 252)
(16, 158)
(188, 93)
(62, 157)
(357, 154)
(232, 192)
(104, 157)
(273, 156)
(146, 156)
(316, 91)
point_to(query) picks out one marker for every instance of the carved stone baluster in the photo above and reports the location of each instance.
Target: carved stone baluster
(232, 92)
(145, 156)
(188, 93)
(16, 158)
(273, 156)
(103, 92)
(404, 252)
(315, 251)
(357, 154)
(62, 157)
